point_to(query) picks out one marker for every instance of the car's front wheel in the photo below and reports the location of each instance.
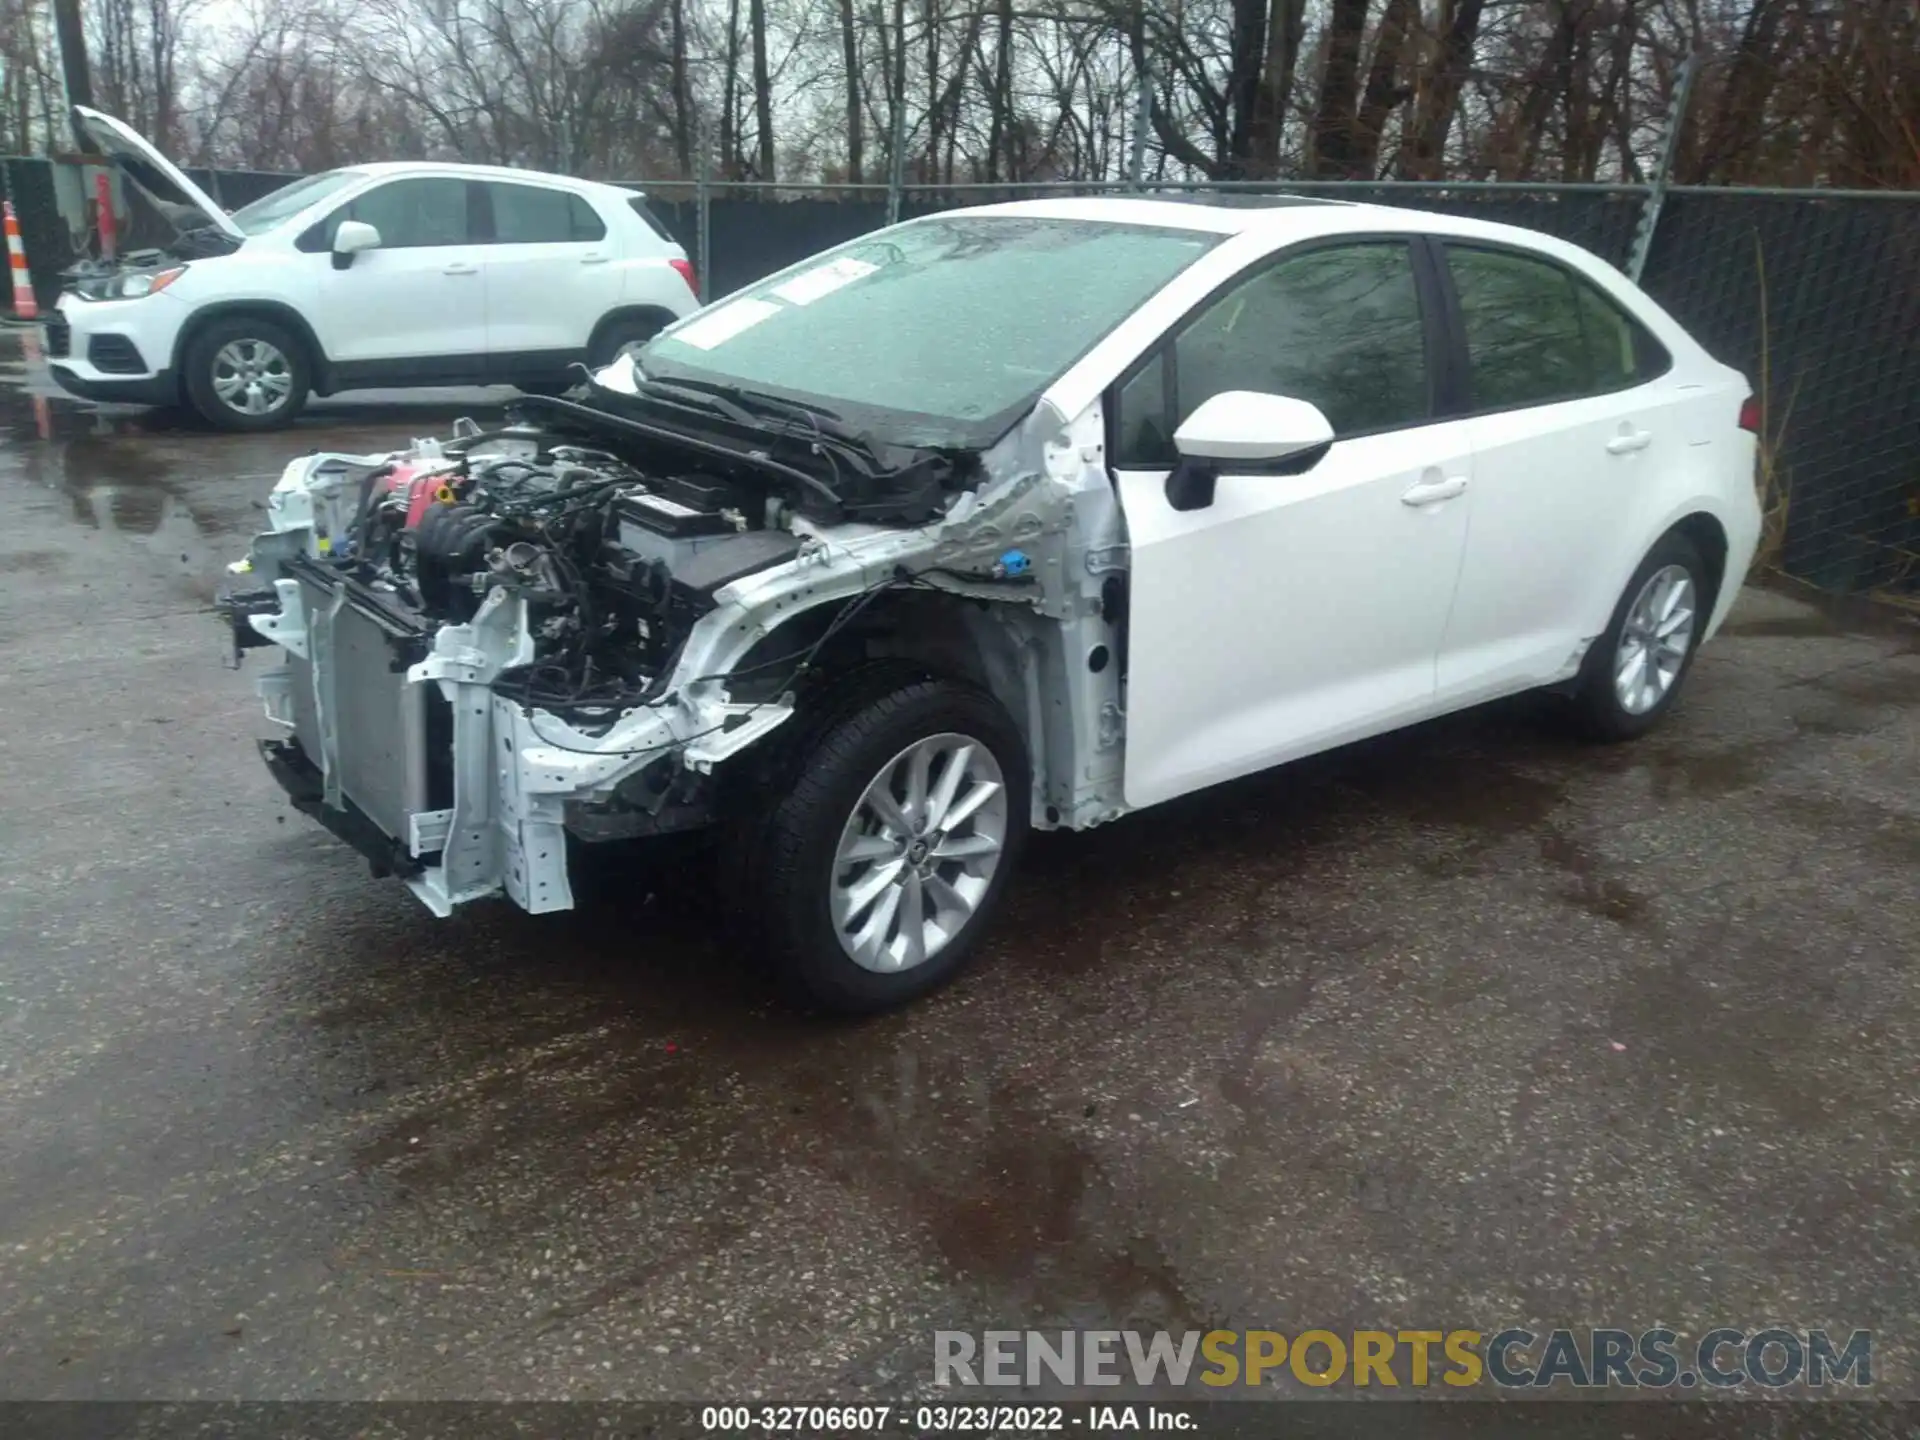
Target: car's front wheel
(1633, 673)
(247, 374)
(874, 876)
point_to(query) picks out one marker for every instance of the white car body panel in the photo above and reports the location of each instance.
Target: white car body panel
(545, 297)
(400, 304)
(1252, 644)
(1549, 538)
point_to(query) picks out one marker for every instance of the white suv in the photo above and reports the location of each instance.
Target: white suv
(1002, 519)
(374, 275)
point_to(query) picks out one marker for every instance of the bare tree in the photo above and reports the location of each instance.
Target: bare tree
(1789, 91)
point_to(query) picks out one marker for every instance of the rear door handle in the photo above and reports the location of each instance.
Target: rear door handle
(1432, 492)
(461, 267)
(593, 257)
(1628, 441)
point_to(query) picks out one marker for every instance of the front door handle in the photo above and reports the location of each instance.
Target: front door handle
(1432, 492)
(461, 267)
(593, 257)
(1628, 441)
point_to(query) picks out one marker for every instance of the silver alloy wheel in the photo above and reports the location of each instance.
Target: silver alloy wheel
(252, 377)
(919, 852)
(1655, 640)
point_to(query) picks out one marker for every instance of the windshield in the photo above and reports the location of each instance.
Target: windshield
(939, 332)
(289, 200)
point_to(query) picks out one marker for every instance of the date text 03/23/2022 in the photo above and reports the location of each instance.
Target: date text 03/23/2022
(925, 1419)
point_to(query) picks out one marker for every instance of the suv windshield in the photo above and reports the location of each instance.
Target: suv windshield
(939, 332)
(289, 200)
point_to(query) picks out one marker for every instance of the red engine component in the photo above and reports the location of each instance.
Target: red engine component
(419, 485)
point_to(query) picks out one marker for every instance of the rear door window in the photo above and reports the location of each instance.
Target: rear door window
(1537, 333)
(535, 215)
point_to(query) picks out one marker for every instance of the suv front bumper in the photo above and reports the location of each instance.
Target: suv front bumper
(118, 351)
(159, 388)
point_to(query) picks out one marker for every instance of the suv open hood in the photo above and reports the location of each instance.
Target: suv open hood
(158, 178)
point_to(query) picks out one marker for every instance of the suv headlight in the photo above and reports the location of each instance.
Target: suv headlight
(134, 284)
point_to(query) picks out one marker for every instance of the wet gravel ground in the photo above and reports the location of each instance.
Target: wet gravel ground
(1468, 1027)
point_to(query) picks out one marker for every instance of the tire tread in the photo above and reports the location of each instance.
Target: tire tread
(770, 858)
(1593, 710)
(206, 343)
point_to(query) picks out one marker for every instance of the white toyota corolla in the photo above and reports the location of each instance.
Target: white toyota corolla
(1024, 516)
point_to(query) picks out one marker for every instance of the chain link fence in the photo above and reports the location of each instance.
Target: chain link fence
(1815, 295)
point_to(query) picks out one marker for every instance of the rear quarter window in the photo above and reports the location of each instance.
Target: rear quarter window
(638, 205)
(1621, 349)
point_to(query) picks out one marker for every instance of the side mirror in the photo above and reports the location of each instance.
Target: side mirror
(1244, 432)
(350, 238)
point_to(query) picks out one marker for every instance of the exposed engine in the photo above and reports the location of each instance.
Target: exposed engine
(615, 566)
(494, 644)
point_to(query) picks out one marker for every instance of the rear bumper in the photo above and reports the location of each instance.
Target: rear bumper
(158, 389)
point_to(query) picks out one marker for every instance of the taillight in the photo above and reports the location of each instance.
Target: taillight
(685, 267)
(1750, 414)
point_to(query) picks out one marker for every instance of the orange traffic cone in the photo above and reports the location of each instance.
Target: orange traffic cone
(25, 307)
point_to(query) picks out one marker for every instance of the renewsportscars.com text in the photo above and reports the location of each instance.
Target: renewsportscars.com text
(1512, 1358)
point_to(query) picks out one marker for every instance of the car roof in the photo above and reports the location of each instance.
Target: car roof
(485, 172)
(1279, 219)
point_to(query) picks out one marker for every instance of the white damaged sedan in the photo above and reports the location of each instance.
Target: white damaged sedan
(1019, 517)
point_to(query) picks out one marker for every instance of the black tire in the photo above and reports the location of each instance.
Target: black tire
(616, 335)
(1596, 708)
(778, 859)
(208, 359)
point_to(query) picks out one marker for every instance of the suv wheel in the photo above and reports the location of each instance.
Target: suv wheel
(629, 332)
(247, 374)
(874, 877)
(1633, 673)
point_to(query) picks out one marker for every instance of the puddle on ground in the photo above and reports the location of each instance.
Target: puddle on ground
(1590, 888)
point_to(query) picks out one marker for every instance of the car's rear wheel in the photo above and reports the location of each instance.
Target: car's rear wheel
(247, 374)
(1633, 672)
(873, 877)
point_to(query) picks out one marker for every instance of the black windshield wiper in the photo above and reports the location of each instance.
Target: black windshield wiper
(817, 419)
(203, 240)
(591, 416)
(711, 399)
